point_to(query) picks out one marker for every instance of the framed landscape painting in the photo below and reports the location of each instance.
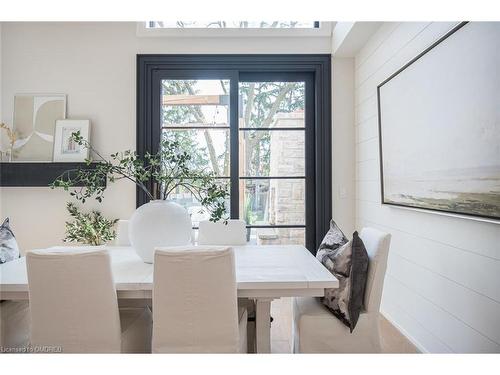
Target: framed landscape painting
(439, 126)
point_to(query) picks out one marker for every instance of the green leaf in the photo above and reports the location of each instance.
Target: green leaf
(89, 228)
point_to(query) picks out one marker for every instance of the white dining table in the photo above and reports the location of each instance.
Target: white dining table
(263, 273)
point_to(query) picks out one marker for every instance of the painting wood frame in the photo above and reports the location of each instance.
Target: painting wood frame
(469, 215)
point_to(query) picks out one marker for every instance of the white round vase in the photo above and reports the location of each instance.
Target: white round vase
(158, 223)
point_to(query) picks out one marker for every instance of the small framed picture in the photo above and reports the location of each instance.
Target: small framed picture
(65, 148)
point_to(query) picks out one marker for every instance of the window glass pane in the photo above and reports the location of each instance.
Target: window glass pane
(185, 198)
(276, 236)
(272, 104)
(195, 103)
(196, 114)
(273, 202)
(273, 153)
(232, 24)
(209, 148)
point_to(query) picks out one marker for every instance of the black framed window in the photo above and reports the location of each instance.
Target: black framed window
(260, 122)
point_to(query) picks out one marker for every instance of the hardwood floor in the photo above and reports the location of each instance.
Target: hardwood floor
(281, 331)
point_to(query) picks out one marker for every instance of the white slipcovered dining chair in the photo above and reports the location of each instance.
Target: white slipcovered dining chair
(195, 302)
(229, 233)
(14, 324)
(122, 233)
(73, 304)
(317, 330)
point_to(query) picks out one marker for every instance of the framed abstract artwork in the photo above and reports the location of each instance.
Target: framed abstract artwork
(35, 117)
(439, 126)
(65, 148)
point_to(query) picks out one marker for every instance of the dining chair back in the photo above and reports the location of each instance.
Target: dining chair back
(122, 233)
(73, 301)
(224, 233)
(377, 246)
(195, 301)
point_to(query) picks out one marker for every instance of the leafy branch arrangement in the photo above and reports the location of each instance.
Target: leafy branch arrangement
(170, 169)
(89, 228)
(12, 137)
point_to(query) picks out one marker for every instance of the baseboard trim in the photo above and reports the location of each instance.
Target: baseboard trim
(416, 343)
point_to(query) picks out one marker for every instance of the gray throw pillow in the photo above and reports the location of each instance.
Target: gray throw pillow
(8, 244)
(348, 262)
(334, 238)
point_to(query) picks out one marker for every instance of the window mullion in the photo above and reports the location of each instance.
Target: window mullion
(234, 146)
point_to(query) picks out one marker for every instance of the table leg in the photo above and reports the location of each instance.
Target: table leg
(263, 324)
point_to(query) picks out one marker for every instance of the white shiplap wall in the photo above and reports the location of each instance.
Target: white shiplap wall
(442, 287)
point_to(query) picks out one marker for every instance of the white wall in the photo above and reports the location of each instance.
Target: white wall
(343, 153)
(443, 280)
(95, 65)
